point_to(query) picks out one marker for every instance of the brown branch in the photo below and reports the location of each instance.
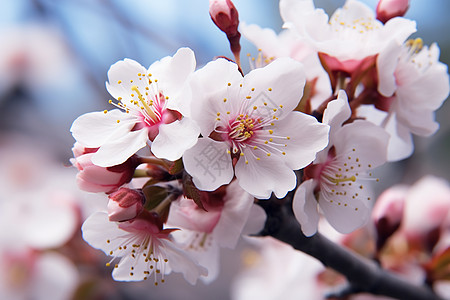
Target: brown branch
(363, 274)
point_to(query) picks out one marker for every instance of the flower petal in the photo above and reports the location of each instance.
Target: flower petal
(180, 261)
(235, 214)
(304, 206)
(95, 128)
(264, 174)
(209, 164)
(123, 75)
(210, 85)
(172, 73)
(306, 138)
(278, 86)
(349, 216)
(175, 138)
(368, 141)
(120, 147)
(337, 111)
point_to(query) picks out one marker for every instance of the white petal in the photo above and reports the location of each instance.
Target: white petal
(120, 147)
(387, 61)
(278, 85)
(337, 111)
(401, 144)
(264, 176)
(131, 269)
(97, 230)
(234, 215)
(398, 29)
(304, 206)
(54, 277)
(126, 72)
(348, 215)
(172, 74)
(291, 10)
(95, 128)
(209, 86)
(175, 138)
(209, 164)
(256, 220)
(307, 137)
(368, 141)
(180, 261)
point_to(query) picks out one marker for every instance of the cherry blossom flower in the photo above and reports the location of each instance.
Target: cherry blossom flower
(351, 34)
(145, 249)
(29, 274)
(339, 174)
(288, 44)
(220, 224)
(150, 100)
(416, 85)
(273, 270)
(249, 129)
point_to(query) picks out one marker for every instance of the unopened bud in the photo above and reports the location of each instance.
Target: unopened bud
(388, 9)
(388, 213)
(95, 179)
(125, 204)
(225, 15)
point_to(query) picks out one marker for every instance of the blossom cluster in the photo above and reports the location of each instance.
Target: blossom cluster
(186, 152)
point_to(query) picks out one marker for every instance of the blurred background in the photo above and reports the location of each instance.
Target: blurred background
(54, 56)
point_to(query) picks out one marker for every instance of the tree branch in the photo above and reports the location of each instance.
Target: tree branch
(363, 274)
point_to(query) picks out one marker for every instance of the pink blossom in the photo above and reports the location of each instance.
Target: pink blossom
(93, 178)
(125, 204)
(388, 9)
(144, 248)
(225, 15)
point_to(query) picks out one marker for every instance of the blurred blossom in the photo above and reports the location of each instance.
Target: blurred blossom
(274, 270)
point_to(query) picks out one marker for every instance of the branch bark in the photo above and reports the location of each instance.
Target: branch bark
(364, 275)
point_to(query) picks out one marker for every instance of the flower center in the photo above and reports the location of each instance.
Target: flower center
(145, 101)
(241, 129)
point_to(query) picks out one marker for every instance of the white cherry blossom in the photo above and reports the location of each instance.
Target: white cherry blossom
(144, 248)
(149, 100)
(337, 180)
(352, 33)
(288, 44)
(249, 129)
(417, 84)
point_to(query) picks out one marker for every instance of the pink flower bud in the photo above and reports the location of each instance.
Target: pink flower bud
(388, 9)
(125, 204)
(225, 15)
(387, 213)
(95, 179)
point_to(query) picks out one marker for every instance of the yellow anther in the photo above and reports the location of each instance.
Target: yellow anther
(105, 111)
(270, 131)
(144, 103)
(229, 83)
(119, 82)
(269, 89)
(268, 154)
(118, 121)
